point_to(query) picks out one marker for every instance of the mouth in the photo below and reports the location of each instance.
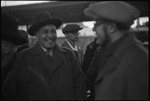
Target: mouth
(49, 41)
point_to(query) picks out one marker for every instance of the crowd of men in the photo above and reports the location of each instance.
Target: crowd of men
(114, 66)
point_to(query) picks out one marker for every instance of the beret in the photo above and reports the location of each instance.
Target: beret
(118, 11)
(71, 28)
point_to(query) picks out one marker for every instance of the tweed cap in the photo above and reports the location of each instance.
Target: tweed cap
(118, 11)
(71, 28)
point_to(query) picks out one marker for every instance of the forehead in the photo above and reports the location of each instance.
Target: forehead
(48, 27)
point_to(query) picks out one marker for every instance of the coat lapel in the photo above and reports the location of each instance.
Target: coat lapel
(65, 44)
(58, 59)
(116, 57)
(80, 55)
(40, 57)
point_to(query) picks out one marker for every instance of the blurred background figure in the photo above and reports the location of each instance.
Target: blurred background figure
(25, 41)
(89, 54)
(71, 31)
(10, 40)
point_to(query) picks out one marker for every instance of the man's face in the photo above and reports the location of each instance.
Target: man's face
(103, 36)
(46, 36)
(73, 36)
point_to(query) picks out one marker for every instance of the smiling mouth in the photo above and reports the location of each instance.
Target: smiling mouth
(49, 41)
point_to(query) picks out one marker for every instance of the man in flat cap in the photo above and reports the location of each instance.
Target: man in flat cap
(71, 31)
(10, 40)
(121, 63)
(46, 71)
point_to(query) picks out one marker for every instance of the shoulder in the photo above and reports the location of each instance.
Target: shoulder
(66, 50)
(136, 54)
(25, 53)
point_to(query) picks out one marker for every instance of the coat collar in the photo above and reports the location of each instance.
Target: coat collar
(124, 45)
(65, 44)
(57, 59)
(37, 49)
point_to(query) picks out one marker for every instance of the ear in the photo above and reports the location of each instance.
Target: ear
(111, 27)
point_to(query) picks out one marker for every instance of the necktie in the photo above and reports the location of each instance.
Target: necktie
(48, 54)
(76, 53)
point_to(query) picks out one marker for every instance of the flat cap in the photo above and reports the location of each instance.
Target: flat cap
(118, 11)
(71, 28)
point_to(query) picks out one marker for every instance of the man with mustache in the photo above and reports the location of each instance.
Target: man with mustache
(121, 62)
(46, 71)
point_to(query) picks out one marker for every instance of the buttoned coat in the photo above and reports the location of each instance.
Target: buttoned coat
(125, 75)
(79, 53)
(36, 77)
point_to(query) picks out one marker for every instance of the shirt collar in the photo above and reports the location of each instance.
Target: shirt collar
(46, 50)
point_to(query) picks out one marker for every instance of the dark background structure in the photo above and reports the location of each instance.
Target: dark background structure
(70, 11)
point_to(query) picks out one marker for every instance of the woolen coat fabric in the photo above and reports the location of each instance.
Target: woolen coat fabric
(125, 75)
(79, 53)
(36, 77)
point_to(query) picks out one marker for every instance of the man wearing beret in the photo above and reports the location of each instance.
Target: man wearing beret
(10, 39)
(46, 71)
(71, 32)
(121, 64)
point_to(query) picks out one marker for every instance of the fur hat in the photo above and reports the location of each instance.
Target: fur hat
(118, 11)
(42, 19)
(71, 28)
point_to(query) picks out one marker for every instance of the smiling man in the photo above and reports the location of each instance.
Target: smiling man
(46, 71)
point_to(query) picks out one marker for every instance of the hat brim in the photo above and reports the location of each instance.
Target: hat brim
(34, 27)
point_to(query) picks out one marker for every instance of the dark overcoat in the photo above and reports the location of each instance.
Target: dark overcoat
(79, 53)
(36, 77)
(125, 75)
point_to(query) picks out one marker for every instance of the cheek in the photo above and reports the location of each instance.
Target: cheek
(55, 36)
(100, 33)
(40, 37)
